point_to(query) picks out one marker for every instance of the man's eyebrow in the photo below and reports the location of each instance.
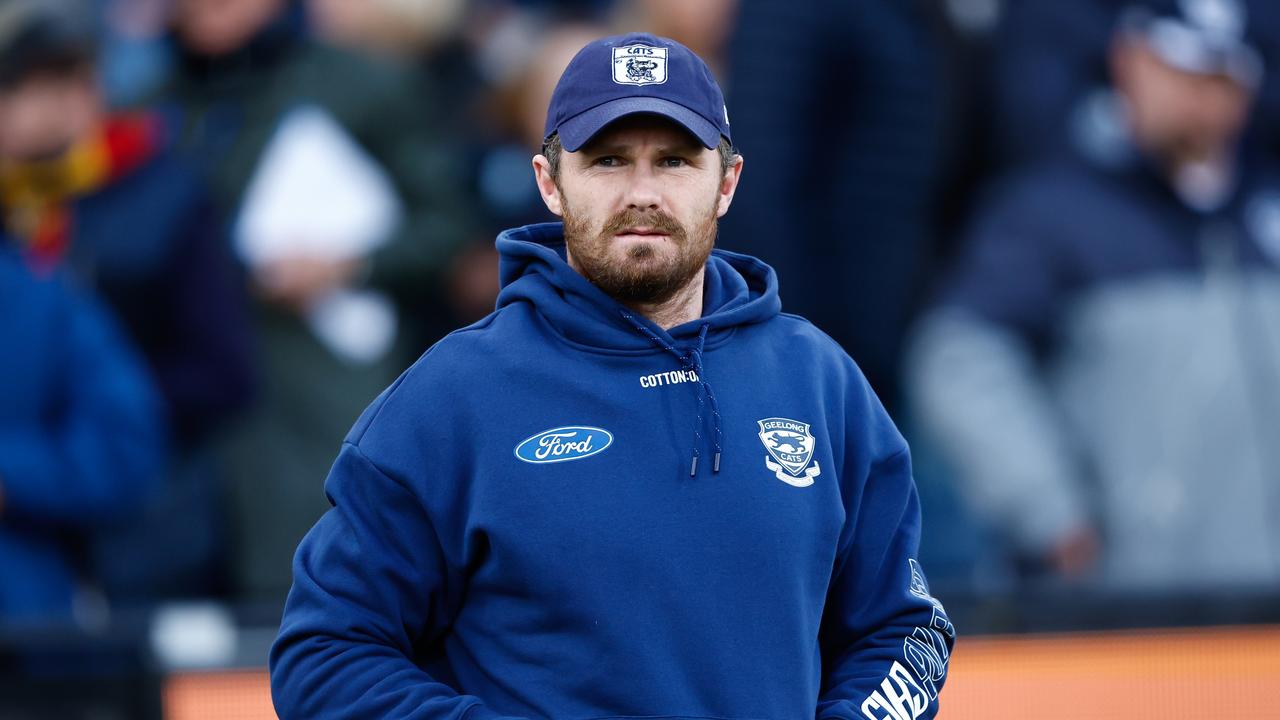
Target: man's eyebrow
(606, 148)
(684, 147)
(597, 149)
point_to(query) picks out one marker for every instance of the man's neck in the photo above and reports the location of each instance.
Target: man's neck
(684, 306)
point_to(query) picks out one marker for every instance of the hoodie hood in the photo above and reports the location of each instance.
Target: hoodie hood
(739, 290)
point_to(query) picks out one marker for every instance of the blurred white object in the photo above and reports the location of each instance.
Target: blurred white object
(358, 325)
(316, 193)
(193, 636)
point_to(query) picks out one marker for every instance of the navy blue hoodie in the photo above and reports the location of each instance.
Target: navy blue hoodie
(520, 528)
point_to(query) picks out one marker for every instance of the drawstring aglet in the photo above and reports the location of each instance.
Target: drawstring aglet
(715, 464)
(693, 467)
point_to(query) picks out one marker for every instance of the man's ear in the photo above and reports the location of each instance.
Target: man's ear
(547, 185)
(729, 185)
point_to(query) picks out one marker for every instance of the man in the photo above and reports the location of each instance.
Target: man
(636, 489)
(1102, 370)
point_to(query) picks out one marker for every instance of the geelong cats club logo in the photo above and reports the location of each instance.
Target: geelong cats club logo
(790, 447)
(639, 65)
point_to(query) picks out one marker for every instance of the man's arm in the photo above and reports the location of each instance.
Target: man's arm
(885, 641)
(370, 581)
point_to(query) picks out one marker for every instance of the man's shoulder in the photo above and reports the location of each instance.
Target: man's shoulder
(806, 343)
(454, 371)
(798, 329)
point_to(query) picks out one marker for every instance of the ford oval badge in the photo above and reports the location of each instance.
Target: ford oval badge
(561, 444)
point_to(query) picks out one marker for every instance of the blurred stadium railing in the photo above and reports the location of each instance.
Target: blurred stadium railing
(1021, 656)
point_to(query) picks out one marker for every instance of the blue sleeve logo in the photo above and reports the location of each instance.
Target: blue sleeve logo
(562, 444)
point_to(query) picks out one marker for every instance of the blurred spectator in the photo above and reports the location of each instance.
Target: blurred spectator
(103, 193)
(846, 221)
(1051, 58)
(340, 273)
(1103, 371)
(81, 441)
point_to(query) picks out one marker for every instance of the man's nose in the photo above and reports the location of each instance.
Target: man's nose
(644, 188)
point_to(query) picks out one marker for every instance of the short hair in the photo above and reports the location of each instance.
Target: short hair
(551, 150)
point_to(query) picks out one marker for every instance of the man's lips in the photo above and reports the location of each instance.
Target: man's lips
(643, 232)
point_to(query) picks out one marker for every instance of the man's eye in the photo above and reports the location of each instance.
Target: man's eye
(673, 162)
(609, 161)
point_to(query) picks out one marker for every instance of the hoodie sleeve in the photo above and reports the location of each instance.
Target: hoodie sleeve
(100, 452)
(886, 641)
(370, 581)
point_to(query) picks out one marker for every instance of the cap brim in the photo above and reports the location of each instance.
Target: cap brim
(1185, 49)
(579, 129)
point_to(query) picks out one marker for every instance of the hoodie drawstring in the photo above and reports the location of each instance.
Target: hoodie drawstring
(692, 361)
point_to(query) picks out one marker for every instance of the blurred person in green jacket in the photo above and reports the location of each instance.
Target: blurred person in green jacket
(267, 110)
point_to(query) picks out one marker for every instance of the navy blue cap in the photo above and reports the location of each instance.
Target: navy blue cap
(636, 73)
(1197, 36)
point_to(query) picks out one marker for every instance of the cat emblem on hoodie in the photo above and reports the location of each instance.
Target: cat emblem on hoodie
(790, 445)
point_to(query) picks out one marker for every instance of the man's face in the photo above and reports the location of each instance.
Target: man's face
(218, 27)
(640, 204)
(43, 114)
(1174, 113)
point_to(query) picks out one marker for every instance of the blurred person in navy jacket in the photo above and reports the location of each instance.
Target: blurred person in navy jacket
(1103, 368)
(81, 438)
(102, 194)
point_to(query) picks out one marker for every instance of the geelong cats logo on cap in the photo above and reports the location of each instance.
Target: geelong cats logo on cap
(639, 65)
(790, 445)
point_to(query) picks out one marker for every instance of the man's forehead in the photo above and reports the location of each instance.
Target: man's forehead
(641, 129)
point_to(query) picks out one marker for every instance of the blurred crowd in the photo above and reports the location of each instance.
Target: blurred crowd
(1047, 230)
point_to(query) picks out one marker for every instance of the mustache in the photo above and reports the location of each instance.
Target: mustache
(658, 220)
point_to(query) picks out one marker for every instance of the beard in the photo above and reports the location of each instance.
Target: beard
(648, 273)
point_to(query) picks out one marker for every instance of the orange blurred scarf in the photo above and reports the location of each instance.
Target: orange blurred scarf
(37, 196)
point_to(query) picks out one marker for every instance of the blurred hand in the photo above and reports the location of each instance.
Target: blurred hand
(1075, 554)
(299, 281)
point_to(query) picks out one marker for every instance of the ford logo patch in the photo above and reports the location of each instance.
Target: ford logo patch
(561, 444)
